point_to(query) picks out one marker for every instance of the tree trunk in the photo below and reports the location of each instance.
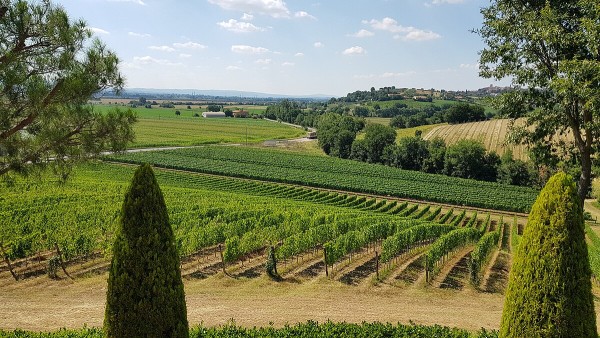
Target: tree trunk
(7, 260)
(586, 176)
(62, 263)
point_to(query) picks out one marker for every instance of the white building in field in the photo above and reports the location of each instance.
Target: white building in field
(212, 114)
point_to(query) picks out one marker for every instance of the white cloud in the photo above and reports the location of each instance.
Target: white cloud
(392, 74)
(451, 2)
(244, 49)
(354, 50)
(239, 27)
(418, 35)
(304, 15)
(139, 35)
(139, 2)
(263, 61)
(319, 45)
(402, 32)
(288, 64)
(469, 66)
(97, 30)
(247, 17)
(148, 60)
(299, 54)
(274, 8)
(189, 45)
(185, 56)
(233, 68)
(363, 33)
(162, 48)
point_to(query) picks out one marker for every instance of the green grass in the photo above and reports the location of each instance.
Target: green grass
(159, 127)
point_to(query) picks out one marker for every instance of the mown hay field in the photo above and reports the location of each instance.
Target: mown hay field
(492, 133)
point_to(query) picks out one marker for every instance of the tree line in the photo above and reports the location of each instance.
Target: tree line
(466, 158)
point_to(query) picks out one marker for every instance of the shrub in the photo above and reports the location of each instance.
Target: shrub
(145, 296)
(549, 289)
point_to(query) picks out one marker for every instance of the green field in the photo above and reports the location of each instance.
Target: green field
(158, 127)
(335, 173)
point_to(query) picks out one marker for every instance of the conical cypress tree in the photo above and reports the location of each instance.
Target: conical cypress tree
(145, 296)
(549, 289)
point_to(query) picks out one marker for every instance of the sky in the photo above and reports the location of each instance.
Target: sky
(294, 47)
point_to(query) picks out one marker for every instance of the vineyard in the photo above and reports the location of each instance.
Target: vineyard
(225, 224)
(334, 173)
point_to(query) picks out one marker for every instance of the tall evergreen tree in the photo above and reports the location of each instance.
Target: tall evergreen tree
(549, 289)
(145, 296)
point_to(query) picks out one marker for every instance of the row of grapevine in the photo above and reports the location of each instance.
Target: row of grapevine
(447, 243)
(481, 254)
(351, 241)
(339, 174)
(403, 240)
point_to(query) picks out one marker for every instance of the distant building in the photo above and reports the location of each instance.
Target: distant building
(213, 114)
(240, 113)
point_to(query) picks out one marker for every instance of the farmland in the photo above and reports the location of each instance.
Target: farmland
(339, 174)
(491, 133)
(205, 211)
(161, 127)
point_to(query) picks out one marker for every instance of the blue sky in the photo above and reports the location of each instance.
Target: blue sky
(290, 47)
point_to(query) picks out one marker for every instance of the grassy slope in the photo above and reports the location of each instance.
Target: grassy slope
(161, 127)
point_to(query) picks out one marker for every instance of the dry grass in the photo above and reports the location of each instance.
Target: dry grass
(491, 133)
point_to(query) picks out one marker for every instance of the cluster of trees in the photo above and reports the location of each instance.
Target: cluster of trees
(405, 117)
(466, 158)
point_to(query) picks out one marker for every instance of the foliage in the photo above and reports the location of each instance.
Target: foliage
(336, 134)
(145, 295)
(464, 112)
(468, 159)
(482, 253)
(549, 289)
(49, 68)
(377, 137)
(515, 172)
(404, 240)
(410, 153)
(335, 173)
(434, 163)
(551, 49)
(308, 329)
(449, 242)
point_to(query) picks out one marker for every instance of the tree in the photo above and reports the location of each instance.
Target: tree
(49, 68)
(145, 296)
(468, 159)
(213, 107)
(361, 111)
(549, 290)
(464, 112)
(410, 153)
(336, 134)
(552, 49)
(434, 163)
(511, 171)
(377, 137)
